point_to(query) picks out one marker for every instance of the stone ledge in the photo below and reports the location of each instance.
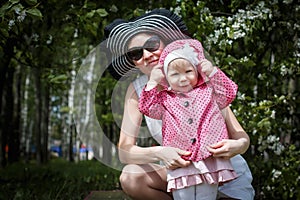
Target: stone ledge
(111, 194)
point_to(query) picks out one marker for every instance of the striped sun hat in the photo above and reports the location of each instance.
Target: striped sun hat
(167, 25)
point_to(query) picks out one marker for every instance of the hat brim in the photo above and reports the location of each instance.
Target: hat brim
(126, 70)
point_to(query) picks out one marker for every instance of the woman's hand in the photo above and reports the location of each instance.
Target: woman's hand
(172, 157)
(227, 148)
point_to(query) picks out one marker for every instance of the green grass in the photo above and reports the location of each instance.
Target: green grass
(57, 180)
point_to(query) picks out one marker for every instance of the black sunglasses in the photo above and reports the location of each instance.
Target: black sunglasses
(151, 45)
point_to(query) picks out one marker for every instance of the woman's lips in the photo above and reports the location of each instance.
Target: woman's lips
(153, 62)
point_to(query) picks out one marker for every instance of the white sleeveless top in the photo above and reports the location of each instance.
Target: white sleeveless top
(153, 125)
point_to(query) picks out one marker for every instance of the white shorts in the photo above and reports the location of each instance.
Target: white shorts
(241, 187)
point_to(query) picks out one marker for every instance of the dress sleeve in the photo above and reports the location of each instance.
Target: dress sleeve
(150, 103)
(225, 89)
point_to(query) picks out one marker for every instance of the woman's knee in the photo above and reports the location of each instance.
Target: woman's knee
(130, 181)
(141, 176)
(129, 178)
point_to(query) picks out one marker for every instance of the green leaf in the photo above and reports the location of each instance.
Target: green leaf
(4, 8)
(4, 32)
(34, 12)
(114, 8)
(230, 59)
(65, 109)
(102, 12)
(90, 14)
(58, 79)
(264, 123)
(14, 1)
(31, 2)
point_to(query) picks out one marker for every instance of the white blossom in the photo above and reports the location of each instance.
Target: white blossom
(35, 37)
(275, 174)
(254, 132)
(240, 96)
(177, 10)
(273, 114)
(11, 23)
(49, 41)
(272, 139)
(21, 17)
(244, 59)
(238, 25)
(287, 1)
(283, 70)
(17, 10)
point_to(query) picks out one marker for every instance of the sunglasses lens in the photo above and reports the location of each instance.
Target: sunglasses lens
(135, 54)
(151, 45)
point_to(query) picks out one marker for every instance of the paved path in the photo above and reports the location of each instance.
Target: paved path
(112, 195)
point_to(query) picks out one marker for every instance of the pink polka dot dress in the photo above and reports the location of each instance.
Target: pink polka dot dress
(192, 121)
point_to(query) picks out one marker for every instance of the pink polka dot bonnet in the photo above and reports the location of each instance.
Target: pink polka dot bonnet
(189, 49)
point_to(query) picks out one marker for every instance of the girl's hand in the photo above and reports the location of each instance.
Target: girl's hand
(171, 157)
(226, 148)
(156, 74)
(206, 67)
(155, 77)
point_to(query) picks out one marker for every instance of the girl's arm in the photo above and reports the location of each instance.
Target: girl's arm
(129, 152)
(224, 88)
(239, 142)
(150, 103)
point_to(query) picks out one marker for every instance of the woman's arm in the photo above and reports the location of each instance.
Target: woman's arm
(132, 118)
(239, 142)
(129, 152)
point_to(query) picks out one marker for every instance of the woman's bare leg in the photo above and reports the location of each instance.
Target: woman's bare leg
(145, 182)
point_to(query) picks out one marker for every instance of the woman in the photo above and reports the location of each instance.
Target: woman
(131, 47)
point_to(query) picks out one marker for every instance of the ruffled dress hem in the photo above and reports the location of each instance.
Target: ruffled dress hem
(210, 171)
(195, 179)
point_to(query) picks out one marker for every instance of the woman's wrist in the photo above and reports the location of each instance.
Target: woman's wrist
(244, 145)
(140, 155)
(156, 152)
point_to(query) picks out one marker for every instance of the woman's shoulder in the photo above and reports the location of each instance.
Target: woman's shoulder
(139, 84)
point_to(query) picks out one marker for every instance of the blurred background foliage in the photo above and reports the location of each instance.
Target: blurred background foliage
(43, 44)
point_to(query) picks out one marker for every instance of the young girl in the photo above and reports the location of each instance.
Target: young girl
(187, 94)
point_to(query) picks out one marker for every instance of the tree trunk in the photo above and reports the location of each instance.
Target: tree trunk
(45, 123)
(107, 146)
(15, 135)
(26, 123)
(5, 90)
(38, 115)
(71, 157)
(8, 128)
(6, 113)
(3, 137)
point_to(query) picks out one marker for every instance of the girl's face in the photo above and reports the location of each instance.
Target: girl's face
(149, 58)
(181, 75)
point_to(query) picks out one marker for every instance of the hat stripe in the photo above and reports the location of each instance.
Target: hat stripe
(123, 32)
